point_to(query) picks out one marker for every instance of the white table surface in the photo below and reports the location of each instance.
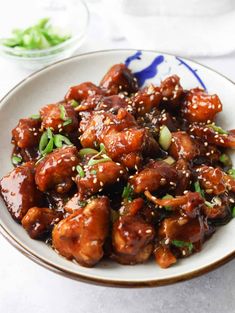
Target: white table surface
(27, 287)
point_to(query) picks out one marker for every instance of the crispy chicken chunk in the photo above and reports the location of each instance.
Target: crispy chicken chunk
(83, 91)
(119, 79)
(19, 191)
(39, 221)
(59, 117)
(56, 170)
(81, 235)
(200, 107)
(26, 134)
(132, 240)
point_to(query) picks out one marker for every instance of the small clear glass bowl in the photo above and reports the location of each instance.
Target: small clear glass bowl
(72, 16)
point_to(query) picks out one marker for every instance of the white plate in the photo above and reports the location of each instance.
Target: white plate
(50, 85)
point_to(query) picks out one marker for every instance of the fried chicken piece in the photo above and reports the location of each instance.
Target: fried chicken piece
(61, 117)
(39, 221)
(19, 191)
(119, 79)
(26, 134)
(183, 146)
(214, 180)
(132, 240)
(155, 175)
(99, 176)
(56, 170)
(200, 107)
(81, 235)
(83, 91)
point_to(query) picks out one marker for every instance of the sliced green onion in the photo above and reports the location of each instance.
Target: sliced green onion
(60, 139)
(165, 138)
(198, 189)
(102, 148)
(86, 151)
(167, 196)
(43, 142)
(67, 122)
(16, 159)
(231, 172)
(48, 148)
(209, 204)
(169, 160)
(35, 116)
(218, 129)
(63, 113)
(233, 211)
(92, 161)
(225, 159)
(80, 171)
(74, 103)
(93, 172)
(49, 133)
(127, 192)
(183, 244)
(39, 36)
(82, 203)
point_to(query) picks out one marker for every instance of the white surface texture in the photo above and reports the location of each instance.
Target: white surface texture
(27, 287)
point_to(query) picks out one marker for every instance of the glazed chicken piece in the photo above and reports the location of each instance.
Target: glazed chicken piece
(56, 170)
(209, 135)
(100, 103)
(81, 235)
(184, 176)
(200, 107)
(26, 134)
(183, 146)
(119, 79)
(60, 117)
(214, 180)
(98, 177)
(39, 221)
(132, 240)
(104, 123)
(19, 191)
(146, 99)
(171, 91)
(129, 146)
(83, 91)
(180, 234)
(155, 175)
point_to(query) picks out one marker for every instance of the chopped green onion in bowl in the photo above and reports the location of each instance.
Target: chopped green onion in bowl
(40, 36)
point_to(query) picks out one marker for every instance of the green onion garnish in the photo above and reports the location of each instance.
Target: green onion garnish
(93, 172)
(169, 160)
(127, 192)
(183, 244)
(67, 122)
(86, 151)
(16, 159)
(231, 172)
(198, 189)
(218, 129)
(63, 113)
(233, 211)
(74, 103)
(225, 159)
(167, 196)
(60, 139)
(80, 171)
(92, 161)
(35, 116)
(39, 36)
(165, 138)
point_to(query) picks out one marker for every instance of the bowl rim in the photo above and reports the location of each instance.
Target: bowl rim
(51, 51)
(100, 281)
